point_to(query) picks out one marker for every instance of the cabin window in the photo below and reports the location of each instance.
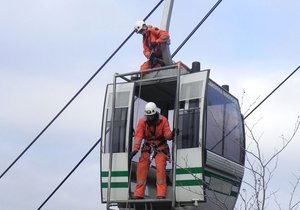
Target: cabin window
(224, 132)
(190, 90)
(188, 123)
(120, 122)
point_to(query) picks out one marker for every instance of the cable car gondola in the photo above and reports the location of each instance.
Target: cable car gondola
(207, 155)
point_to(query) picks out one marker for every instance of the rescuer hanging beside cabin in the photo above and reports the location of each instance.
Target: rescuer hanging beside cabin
(155, 130)
(154, 40)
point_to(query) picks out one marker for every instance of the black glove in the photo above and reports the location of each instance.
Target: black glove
(175, 131)
(132, 154)
(152, 56)
(153, 45)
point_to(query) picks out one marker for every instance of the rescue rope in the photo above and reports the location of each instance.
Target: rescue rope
(78, 92)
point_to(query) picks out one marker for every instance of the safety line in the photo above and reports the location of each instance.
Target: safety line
(272, 92)
(196, 28)
(80, 90)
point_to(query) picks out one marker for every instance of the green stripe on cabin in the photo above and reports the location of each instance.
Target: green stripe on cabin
(115, 185)
(225, 179)
(115, 174)
(195, 170)
(181, 183)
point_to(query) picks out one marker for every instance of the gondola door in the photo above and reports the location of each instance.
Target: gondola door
(189, 185)
(114, 155)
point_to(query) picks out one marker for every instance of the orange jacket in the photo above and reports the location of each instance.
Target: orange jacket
(156, 35)
(144, 131)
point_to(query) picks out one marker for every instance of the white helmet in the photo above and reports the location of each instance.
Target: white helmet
(138, 26)
(150, 109)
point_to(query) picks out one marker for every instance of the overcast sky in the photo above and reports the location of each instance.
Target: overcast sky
(49, 49)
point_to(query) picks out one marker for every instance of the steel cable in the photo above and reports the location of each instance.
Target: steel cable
(272, 92)
(196, 28)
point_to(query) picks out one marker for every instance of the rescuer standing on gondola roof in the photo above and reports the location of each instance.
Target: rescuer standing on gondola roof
(154, 39)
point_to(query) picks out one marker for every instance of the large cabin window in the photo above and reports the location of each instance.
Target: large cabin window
(224, 134)
(120, 122)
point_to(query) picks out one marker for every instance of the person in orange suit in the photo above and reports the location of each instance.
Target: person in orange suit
(154, 40)
(154, 129)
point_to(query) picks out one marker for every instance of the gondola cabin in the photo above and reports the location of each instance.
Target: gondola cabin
(207, 156)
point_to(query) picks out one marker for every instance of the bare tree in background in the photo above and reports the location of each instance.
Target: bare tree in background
(261, 169)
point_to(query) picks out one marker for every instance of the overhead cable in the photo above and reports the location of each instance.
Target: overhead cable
(78, 92)
(271, 92)
(196, 28)
(70, 173)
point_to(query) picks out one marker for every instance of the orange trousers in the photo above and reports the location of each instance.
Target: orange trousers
(142, 172)
(147, 66)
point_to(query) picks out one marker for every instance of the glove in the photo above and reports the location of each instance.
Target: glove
(151, 56)
(153, 45)
(175, 131)
(132, 154)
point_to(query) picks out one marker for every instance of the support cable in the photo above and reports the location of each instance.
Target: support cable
(196, 28)
(271, 92)
(70, 173)
(78, 92)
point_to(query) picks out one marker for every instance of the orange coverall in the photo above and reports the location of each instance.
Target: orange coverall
(162, 133)
(153, 35)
